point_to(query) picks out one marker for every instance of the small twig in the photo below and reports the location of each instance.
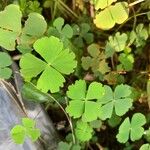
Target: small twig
(136, 2)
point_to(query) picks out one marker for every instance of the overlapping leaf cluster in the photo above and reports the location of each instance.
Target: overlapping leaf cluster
(96, 61)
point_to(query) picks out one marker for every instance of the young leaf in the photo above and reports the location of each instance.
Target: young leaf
(81, 103)
(10, 26)
(107, 18)
(5, 61)
(60, 30)
(117, 42)
(132, 129)
(18, 134)
(27, 129)
(83, 131)
(58, 61)
(118, 100)
(126, 61)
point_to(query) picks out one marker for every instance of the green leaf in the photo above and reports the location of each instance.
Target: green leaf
(118, 42)
(137, 121)
(23, 48)
(35, 27)
(62, 31)
(34, 134)
(124, 131)
(139, 36)
(28, 123)
(145, 147)
(31, 66)
(5, 73)
(18, 134)
(31, 93)
(83, 131)
(58, 23)
(97, 60)
(27, 129)
(10, 26)
(64, 146)
(82, 33)
(101, 4)
(126, 61)
(82, 100)
(79, 85)
(67, 31)
(5, 61)
(107, 18)
(133, 128)
(118, 100)
(95, 91)
(52, 51)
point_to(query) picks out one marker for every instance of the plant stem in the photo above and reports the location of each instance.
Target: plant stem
(136, 2)
(69, 120)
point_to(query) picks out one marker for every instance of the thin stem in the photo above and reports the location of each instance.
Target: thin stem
(136, 2)
(135, 19)
(137, 15)
(69, 120)
(66, 7)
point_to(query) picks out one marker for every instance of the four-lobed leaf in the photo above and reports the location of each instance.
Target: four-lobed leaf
(57, 61)
(133, 129)
(119, 101)
(5, 61)
(83, 99)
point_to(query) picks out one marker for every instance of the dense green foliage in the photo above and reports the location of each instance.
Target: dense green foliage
(95, 68)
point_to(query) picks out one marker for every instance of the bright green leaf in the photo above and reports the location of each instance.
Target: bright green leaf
(145, 147)
(10, 26)
(5, 61)
(101, 4)
(18, 134)
(82, 101)
(118, 100)
(83, 131)
(133, 128)
(58, 61)
(107, 18)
